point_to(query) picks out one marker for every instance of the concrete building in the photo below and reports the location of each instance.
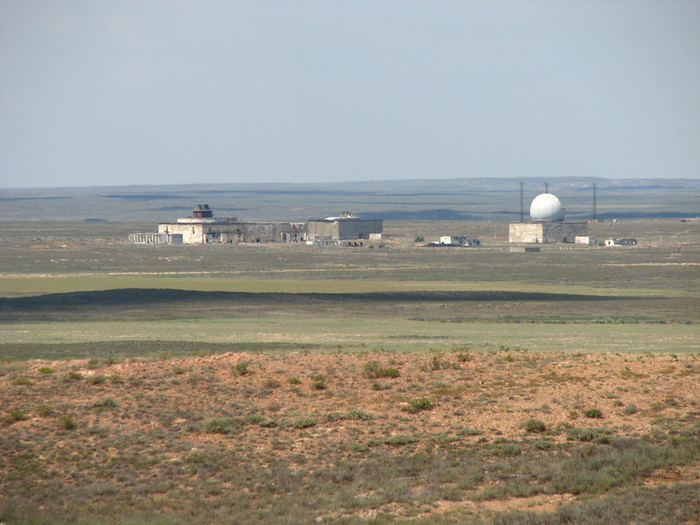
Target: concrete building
(345, 227)
(547, 224)
(546, 232)
(203, 228)
(620, 242)
(155, 238)
(461, 240)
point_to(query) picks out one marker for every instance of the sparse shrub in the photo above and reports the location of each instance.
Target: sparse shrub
(419, 238)
(510, 450)
(21, 381)
(401, 440)
(223, 425)
(593, 413)
(469, 432)
(273, 383)
(630, 409)
(376, 385)
(116, 379)
(17, 415)
(535, 426)
(46, 370)
(178, 370)
(260, 420)
(294, 380)
(93, 363)
(319, 382)
(66, 422)
(241, 368)
(358, 415)
(418, 405)
(304, 422)
(573, 414)
(588, 434)
(97, 380)
(463, 357)
(358, 447)
(374, 370)
(44, 410)
(544, 445)
(437, 364)
(509, 358)
(105, 403)
(74, 376)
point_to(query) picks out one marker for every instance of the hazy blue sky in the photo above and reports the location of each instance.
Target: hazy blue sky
(152, 92)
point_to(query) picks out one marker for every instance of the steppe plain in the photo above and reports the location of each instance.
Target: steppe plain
(392, 383)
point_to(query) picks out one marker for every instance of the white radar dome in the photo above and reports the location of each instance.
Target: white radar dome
(546, 207)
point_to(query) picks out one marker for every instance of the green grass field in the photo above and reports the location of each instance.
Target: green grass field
(396, 296)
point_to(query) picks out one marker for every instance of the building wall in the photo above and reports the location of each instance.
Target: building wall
(192, 233)
(339, 230)
(546, 231)
(155, 238)
(212, 232)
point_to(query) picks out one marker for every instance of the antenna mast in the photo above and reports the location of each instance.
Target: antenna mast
(595, 215)
(522, 212)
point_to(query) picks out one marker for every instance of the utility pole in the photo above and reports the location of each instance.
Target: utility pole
(522, 204)
(595, 215)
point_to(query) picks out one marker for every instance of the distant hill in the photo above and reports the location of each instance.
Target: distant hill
(444, 199)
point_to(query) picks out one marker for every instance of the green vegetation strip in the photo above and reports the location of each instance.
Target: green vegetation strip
(366, 333)
(214, 281)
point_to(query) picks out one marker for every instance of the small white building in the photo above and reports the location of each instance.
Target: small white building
(460, 241)
(620, 242)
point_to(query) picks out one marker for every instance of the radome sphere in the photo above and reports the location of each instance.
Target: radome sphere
(546, 207)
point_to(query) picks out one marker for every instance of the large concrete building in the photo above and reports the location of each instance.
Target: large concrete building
(547, 224)
(545, 232)
(203, 228)
(345, 227)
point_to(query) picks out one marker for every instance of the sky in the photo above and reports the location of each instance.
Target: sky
(102, 92)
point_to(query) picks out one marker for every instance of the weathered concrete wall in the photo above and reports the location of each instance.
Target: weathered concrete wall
(546, 231)
(191, 233)
(212, 232)
(155, 238)
(344, 229)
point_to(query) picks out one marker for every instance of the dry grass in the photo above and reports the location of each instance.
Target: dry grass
(228, 435)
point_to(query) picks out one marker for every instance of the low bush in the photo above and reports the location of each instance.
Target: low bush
(17, 415)
(44, 410)
(418, 405)
(358, 415)
(105, 403)
(319, 382)
(224, 425)
(587, 434)
(242, 368)
(630, 409)
(304, 422)
(535, 426)
(66, 422)
(593, 413)
(374, 370)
